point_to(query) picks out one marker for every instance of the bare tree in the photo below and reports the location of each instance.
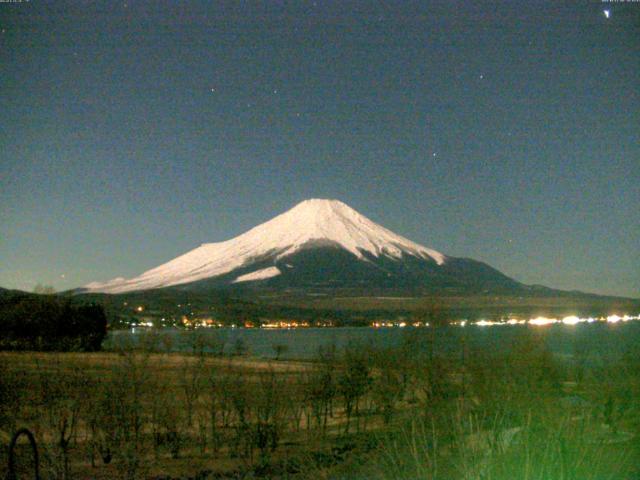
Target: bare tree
(354, 381)
(125, 390)
(12, 389)
(269, 407)
(192, 383)
(62, 395)
(389, 384)
(215, 385)
(44, 289)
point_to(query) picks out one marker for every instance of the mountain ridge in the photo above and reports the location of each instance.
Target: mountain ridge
(319, 244)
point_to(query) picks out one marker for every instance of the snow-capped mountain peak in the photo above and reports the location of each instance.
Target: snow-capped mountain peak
(311, 222)
(334, 221)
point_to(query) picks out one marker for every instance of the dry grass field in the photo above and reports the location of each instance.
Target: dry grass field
(361, 413)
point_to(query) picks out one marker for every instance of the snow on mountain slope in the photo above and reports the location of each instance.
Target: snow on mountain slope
(311, 221)
(258, 275)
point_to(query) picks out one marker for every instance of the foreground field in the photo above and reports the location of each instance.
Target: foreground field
(360, 413)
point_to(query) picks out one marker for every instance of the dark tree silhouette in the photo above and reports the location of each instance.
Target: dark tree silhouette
(47, 322)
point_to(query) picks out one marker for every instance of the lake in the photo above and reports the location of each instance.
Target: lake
(600, 341)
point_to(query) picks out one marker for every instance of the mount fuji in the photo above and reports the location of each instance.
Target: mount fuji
(317, 244)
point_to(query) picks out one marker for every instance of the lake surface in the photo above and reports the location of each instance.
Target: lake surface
(599, 341)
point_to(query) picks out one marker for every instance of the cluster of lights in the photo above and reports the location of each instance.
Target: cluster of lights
(285, 324)
(570, 320)
(543, 321)
(402, 324)
(537, 321)
(624, 318)
(201, 322)
(141, 324)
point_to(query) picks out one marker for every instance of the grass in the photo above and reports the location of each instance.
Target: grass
(516, 414)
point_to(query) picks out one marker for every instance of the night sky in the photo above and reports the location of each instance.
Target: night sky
(132, 132)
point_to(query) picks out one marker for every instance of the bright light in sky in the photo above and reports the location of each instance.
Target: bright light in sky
(607, 13)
